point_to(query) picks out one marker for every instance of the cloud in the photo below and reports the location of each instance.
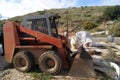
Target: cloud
(11, 8)
(110, 2)
(14, 1)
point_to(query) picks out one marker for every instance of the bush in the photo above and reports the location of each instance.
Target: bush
(17, 18)
(87, 25)
(41, 76)
(112, 12)
(87, 15)
(41, 12)
(115, 30)
(1, 25)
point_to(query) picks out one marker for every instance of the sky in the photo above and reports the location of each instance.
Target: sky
(12, 8)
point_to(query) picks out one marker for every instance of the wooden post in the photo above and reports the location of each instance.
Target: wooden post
(67, 21)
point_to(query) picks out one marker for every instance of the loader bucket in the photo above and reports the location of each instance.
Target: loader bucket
(82, 65)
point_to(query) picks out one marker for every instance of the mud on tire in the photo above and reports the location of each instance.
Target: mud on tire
(23, 61)
(50, 62)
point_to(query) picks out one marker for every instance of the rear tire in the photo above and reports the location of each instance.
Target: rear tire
(23, 61)
(50, 62)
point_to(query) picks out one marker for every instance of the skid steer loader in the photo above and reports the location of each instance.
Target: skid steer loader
(37, 41)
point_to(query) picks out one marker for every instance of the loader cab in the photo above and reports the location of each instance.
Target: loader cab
(46, 24)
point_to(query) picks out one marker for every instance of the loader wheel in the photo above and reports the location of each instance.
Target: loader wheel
(50, 62)
(23, 61)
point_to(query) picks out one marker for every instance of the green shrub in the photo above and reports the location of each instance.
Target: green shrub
(17, 18)
(87, 25)
(115, 30)
(87, 15)
(41, 12)
(112, 12)
(1, 25)
(41, 76)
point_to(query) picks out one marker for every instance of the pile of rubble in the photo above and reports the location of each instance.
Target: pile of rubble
(13, 74)
(105, 55)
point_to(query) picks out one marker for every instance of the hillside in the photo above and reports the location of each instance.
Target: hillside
(77, 17)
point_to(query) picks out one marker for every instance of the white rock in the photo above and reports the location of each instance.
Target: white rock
(108, 67)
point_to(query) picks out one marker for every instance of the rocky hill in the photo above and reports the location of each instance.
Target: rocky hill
(79, 18)
(76, 16)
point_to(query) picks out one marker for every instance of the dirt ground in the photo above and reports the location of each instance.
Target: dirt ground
(7, 73)
(3, 63)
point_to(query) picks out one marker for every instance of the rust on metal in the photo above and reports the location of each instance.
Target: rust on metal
(42, 37)
(82, 65)
(11, 39)
(31, 39)
(34, 46)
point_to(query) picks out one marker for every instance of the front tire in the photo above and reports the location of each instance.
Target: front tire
(23, 61)
(50, 62)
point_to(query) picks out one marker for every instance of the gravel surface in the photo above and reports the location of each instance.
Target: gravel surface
(7, 73)
(13, 74)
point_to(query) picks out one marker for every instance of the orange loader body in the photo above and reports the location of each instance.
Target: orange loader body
(26, 47)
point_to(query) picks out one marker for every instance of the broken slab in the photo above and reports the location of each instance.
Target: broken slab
(107, 67)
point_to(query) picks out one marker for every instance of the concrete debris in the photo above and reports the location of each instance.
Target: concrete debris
(12, 74)
(108, 67)
(74, 43)
(85, 38)
(115, 48)
(104, 54)
(98, 33)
